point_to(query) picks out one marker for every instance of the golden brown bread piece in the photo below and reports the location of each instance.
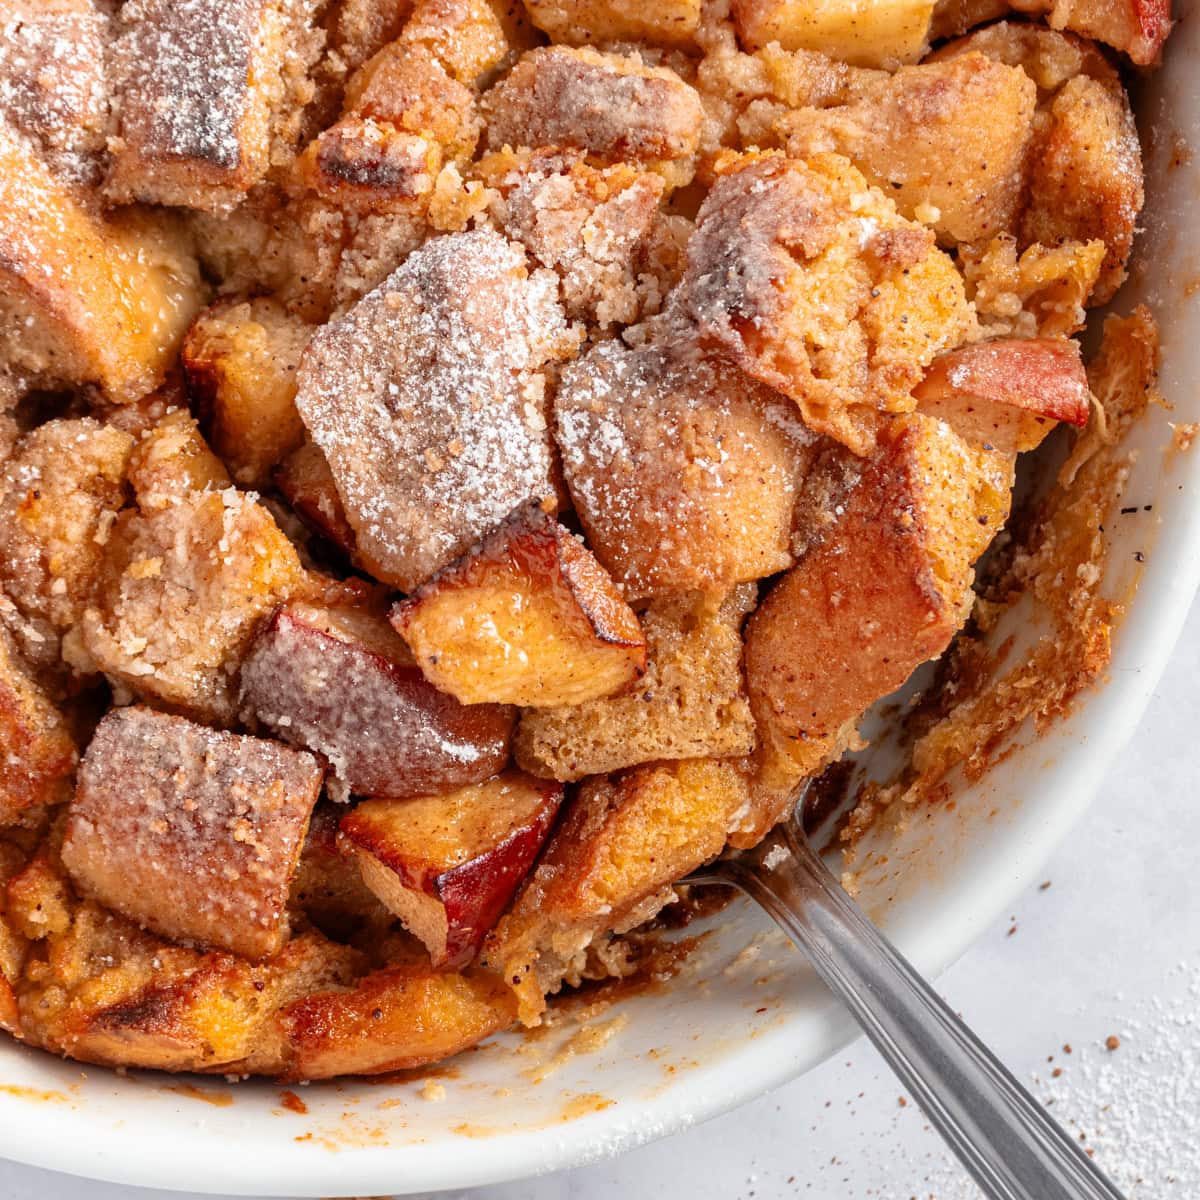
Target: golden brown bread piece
(54, 83)
(609, 865)
(342, 683)
(690, 703)
(811, 282)
(82, 299)
(182, 588)
(611, 106)
(37, 750)
(593, 225)
(526, 617)
(209, 94)
(576, 22)
(59, 494)
(190, 832)
(1085, 168)
(448, 865)
(683, 470)
(241, 360)
(393, 394)
(947, 141)
(883, 587)
(392, 1020)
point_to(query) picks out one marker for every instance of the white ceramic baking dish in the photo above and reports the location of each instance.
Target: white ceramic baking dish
(737, 1022)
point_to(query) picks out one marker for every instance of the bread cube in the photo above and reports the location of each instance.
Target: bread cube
(883, 587)
(947, 141)
(683, 470)
(392, 1020)
(470, 38)
(341, 683)
(526, 617)
(362, 28)
(610, 105)
(307, 484)
(208, 94)
(59, 494)
(1137, 27)
(1086, 177)
(1008, 394)
(866, 33)
(811, 282)
(690, 703)
(575, 22)
(37, 751)
(171, 461)
(181, 592)
(53, 82)
(82, 299)
(190, 832)
(427, 399)
(367, 166)
(609, 865)
(448, 865)
(241, 361)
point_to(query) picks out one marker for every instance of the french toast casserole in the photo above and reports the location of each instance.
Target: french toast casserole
(464, 464)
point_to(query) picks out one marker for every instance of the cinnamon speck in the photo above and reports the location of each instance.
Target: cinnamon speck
(1112, 1042)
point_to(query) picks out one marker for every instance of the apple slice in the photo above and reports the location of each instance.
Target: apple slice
(307, 485)
(1007, 394)
(340, 682)
(527, 616)
(447, 866)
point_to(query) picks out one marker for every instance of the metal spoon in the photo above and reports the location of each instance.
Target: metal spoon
(1001, 1135)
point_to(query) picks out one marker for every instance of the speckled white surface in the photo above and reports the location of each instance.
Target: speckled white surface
(1111, 947)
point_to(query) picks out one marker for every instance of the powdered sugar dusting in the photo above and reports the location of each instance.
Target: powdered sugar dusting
(428, 398)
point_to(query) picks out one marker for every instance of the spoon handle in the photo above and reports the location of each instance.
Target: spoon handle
(1002, 1136)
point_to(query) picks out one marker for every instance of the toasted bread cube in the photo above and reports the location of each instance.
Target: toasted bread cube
(364, 165)
(53, 82)
(208, 92)
(470, 38)
(191, 832)
(171, 461)
(448, 865)
(526, 617)
(307, 484)
(683, 470)
(690, 703)
(947, 141)
(1086, 177)
(866, 33)
(609, 865)
(575, 22)
(592, 225)
(1008, 394)
(363, 27)
(343, 684)
(393, 1020)
(109, 992)
(58, 496)
(811, 282)
(241, 362)
(1137, 27)
(37, 751)
(611, 106)
(182, 590)
(83, 300)
(885, 587)
(427, 399)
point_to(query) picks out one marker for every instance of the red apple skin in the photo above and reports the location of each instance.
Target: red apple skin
(383, 728)
(1040, 375)
(477, 893)
(416, 840)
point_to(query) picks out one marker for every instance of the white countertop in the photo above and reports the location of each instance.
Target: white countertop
(1111, 947)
